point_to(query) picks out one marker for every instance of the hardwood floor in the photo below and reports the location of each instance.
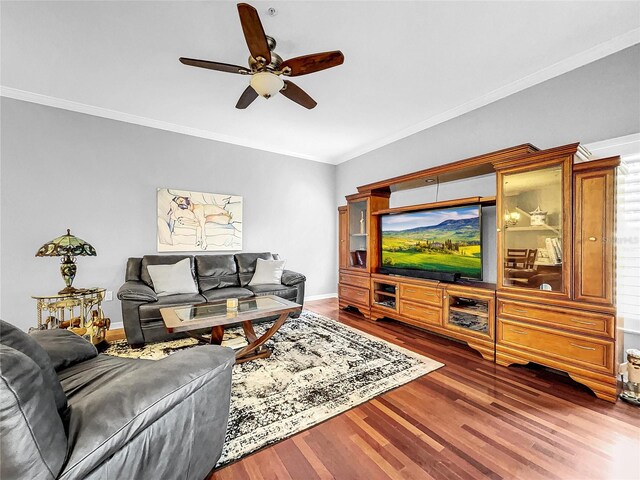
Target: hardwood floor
(471, 419)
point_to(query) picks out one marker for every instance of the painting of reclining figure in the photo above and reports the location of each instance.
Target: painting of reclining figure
(196, 221)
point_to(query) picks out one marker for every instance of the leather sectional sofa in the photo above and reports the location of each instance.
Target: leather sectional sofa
(218, 277)
(70, 413)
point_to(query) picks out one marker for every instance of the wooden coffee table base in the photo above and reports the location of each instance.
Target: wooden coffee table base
(255, 348)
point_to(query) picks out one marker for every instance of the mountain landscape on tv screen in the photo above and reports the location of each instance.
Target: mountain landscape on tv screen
(452, 245)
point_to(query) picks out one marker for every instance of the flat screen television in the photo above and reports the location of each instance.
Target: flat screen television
(442, 241)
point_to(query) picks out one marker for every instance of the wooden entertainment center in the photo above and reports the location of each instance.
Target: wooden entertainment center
(553, 303)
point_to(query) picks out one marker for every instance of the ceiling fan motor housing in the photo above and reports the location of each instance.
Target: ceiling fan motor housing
(276, 60)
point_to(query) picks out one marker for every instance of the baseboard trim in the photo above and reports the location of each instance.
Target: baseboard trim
(321, 297)
(116, 325)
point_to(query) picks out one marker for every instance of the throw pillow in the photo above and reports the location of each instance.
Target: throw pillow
(65, 348)
(267, 272)
(12, 336)
(172, 279)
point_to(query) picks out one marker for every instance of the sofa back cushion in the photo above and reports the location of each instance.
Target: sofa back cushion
(132, 273)
(216, 271)
(33, 443)
(15, 338)
(161, 260)
(247, 265)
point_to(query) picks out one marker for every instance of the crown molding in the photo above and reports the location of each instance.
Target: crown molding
(591, 55)
(625, 147)
(61, 103)
(602, 50)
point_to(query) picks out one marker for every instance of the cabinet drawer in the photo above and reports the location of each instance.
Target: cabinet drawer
(353, 294)
(576, 320)
(574, 350)
(355, 280)
(421, 313)
(423, 294)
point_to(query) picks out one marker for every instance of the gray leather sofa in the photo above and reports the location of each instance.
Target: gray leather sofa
(218, 277)
(68, 412)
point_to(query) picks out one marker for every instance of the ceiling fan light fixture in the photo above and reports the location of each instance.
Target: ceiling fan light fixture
(266, 84)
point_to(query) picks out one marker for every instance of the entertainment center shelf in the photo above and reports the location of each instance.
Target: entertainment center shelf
(460, 311)
(553, 302)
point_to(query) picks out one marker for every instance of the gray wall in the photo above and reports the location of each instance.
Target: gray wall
(596, 102)
(62, 169)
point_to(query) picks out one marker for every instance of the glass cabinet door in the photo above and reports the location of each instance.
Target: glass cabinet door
(532, 226)
(358, 231)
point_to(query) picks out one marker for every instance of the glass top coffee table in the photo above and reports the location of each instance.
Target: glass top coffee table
(190, 318)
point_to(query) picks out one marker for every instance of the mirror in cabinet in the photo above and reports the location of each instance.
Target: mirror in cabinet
(531, 216)
(358, 233)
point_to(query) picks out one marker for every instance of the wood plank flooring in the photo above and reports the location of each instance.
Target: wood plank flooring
(471, 419)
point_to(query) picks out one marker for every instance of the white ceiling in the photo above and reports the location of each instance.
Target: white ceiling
(408, 65)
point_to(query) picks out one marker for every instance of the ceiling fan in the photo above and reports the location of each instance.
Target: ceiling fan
(266, 67)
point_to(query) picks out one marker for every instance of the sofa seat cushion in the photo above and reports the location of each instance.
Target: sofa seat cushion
(163, 420)
(151, 310)
(278, 289)
(216, 271)
(224, 293)
(82, 379)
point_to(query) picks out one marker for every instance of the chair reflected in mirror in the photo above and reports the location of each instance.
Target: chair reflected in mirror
(519, 265)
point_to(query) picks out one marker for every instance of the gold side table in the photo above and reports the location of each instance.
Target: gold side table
(79, 311)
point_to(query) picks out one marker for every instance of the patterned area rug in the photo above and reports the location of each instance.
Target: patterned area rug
(319, 368)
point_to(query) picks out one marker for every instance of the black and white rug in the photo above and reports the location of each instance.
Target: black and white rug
(319, 368)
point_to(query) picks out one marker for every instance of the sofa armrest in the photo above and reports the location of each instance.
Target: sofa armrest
(156, 395)
(137, 291)
(291, 278)
(65, 348)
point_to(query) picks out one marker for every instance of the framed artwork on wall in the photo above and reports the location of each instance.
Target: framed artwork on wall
(197, 221)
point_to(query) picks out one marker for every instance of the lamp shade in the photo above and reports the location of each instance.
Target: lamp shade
(266, 84)
(66, 245)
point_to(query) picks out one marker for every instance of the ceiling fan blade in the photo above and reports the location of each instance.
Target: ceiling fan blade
(312, 63)
(253, 32)
(221, 67)
(248, 96)
(295, 93)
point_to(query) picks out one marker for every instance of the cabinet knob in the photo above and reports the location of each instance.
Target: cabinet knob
(592, 239)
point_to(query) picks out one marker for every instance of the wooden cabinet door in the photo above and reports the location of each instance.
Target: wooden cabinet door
(534, 217)
(593, 237)
(343, 237)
